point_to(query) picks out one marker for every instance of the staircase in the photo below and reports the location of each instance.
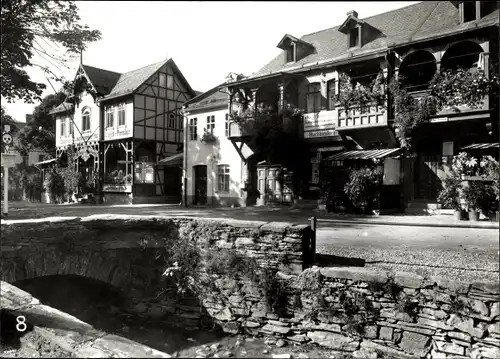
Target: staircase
(423, 207)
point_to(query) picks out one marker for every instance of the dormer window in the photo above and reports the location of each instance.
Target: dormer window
(468, 11)
(294, 49)
(352, 27)
(290, 54)
(354, 37)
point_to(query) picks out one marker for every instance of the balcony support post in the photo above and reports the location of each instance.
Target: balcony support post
(281, 100)
(324, 91)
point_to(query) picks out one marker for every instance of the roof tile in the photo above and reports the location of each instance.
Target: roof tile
(396, 27)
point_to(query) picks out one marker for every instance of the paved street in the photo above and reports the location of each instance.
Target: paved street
(458, 253)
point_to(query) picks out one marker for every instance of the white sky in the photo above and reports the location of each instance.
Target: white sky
(207, 40)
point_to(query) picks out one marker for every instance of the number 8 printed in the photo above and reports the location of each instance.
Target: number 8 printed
(21, 323)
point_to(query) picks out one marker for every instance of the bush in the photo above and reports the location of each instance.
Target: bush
(62, 183)
(54, 185)
(362, 187)
(487, 199)
(449, 196)
(473, 195)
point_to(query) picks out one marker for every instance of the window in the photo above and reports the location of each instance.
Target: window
(354, 37)
(144, 172)
(70, 126)
(227, 125)
(41, 158)
(121, 115)
(332, 98)
(210, 124)
(163, 80)
(290, 53)
(171, 120)
(223, 178)
(86, 119)
(468, 11)
(110, 113)
(193, 129)
(313, 97)
(170, 81)
(63, 127)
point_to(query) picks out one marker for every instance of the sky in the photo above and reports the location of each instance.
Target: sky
(207, 40)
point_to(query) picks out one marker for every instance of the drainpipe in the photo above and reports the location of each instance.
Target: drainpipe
(185, 154)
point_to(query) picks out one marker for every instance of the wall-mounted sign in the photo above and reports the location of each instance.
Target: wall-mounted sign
(322, 133)
(8, 160)
(64, 141)
(124, 188)
(113, 134)
(315, 122)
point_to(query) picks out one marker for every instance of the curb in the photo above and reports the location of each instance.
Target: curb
(409, 224)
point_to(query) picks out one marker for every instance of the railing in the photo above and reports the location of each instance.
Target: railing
(337, 119)
(449, 111)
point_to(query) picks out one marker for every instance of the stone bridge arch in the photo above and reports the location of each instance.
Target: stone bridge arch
(110, 255)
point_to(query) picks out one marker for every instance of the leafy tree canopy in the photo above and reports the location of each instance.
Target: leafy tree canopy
(40, 132)
(35, 27)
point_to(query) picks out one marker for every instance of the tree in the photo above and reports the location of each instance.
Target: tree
(35, 27)
(7, 119)
(40, 132)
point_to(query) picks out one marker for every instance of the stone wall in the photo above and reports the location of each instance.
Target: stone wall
(129, 252)
(365, 312)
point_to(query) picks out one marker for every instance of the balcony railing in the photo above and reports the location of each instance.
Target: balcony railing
(338, 120)
(449, 111)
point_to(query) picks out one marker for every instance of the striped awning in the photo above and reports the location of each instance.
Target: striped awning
(362, 155)
(480, 146)
(172, 160)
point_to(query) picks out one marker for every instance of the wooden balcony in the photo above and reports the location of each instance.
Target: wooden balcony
(239, 131)
(328, 122)
(449, 114)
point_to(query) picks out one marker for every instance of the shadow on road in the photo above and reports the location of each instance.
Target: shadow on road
(329, 260)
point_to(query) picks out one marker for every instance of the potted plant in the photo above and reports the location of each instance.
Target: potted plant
(449, 196)
(208, 138)
(472, 196)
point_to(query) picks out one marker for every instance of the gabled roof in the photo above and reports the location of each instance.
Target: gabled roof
(287, 39)
(130, 81)
(110, 84)
(64, 107)
(352, 18)
(419, 21)
(102, 80)
(212, 98)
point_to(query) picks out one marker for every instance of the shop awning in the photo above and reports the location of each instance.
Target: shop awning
(480, 146)
(45, 162)
(362, 155)
(171, 160)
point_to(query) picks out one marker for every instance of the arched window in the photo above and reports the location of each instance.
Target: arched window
(86, 119)
(417, 70)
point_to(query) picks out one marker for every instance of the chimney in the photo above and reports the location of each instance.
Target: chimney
(352, 13)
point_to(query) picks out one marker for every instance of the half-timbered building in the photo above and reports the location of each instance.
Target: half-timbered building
(128, 124)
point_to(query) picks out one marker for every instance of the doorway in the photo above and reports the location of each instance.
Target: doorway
(427, 182)
(200, 184)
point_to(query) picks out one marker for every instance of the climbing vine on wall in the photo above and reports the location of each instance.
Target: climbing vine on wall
(359, 96)
(447, 89)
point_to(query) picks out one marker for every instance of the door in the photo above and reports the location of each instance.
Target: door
(427, 183)
(200, 184)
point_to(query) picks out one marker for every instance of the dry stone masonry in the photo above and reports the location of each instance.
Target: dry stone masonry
(356, 310)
